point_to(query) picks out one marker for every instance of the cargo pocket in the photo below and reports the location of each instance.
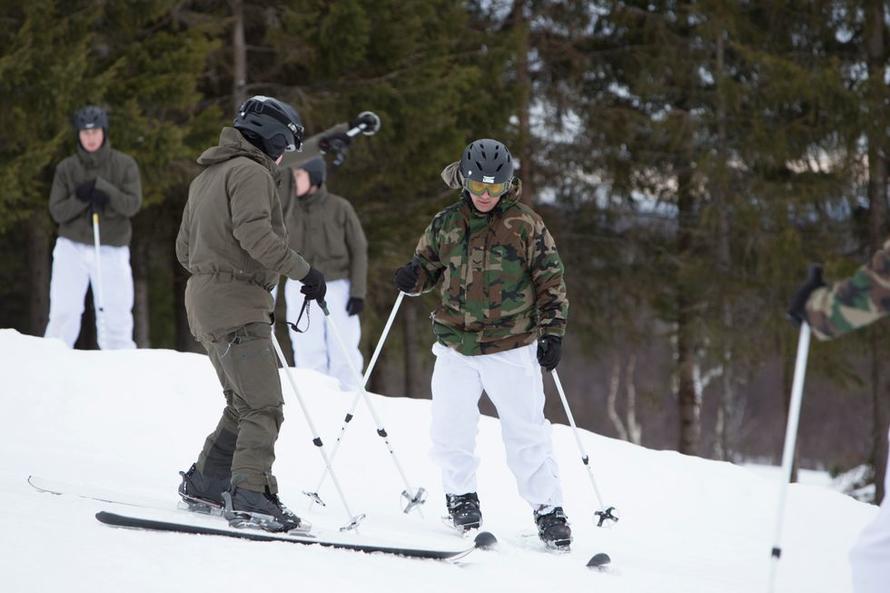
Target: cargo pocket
(252, 365)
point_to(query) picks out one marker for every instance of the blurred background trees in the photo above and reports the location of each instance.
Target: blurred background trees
(689, 157)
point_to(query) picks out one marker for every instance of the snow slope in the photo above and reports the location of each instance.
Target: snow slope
(131, 420)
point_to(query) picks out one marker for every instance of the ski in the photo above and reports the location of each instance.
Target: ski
(60, 488)
(143, 505)
(144, 523)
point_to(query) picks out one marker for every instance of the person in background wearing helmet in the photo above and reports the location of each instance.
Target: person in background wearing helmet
(233, 242)
(833, 311)
(97, 179)
(324, 228)
(502, 292)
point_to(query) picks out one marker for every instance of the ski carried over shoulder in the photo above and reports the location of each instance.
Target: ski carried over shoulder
(203, 528)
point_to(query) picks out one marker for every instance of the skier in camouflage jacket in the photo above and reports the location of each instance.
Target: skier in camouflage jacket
(832, 311)
(502, 296)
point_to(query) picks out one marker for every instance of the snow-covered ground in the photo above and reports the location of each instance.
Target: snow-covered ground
(131, 420)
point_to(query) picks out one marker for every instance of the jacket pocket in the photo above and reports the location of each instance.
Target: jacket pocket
(335, 241)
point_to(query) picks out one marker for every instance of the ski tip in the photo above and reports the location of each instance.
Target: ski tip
(598, 560)
(485, 540)
(104, 517)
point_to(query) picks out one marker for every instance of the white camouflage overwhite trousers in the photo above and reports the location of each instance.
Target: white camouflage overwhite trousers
(74, 269)
(317, 347)
(513, 382)
(870, 556)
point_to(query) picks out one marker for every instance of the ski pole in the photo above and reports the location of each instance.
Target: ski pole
(800, 371)
(349, 415)
(414, 498)
(98, 296)
(364, 128)
(605, 514)
(354, 520)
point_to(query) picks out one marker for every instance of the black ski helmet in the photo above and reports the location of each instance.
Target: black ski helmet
(272, 125)
(89, 117)
(488, 161)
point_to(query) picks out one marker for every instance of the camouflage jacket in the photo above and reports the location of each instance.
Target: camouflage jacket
(852, 303)
(501, 276)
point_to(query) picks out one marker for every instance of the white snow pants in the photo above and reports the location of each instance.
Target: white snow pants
(317, 348)
(513, 382)
(74, 269)
(870, 555)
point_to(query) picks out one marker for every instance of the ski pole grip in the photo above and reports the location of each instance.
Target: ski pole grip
(364, 128)
(324, 308)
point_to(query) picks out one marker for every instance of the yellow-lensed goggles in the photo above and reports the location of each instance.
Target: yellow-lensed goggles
(494, 189)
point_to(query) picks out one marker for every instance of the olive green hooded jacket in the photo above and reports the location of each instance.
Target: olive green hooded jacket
(233, 240)
(117, 175)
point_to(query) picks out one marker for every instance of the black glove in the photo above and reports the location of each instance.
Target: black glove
(405, 277)
(797, 310)
(549, 351)
(84, 191)
(100, 200)
(369, 119)
(336, 143)
(354, 306)
(314, 285)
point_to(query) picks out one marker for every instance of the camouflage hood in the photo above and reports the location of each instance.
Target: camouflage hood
(453, 179)
(499, 275)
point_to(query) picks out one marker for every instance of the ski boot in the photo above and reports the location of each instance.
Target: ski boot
(263, 510)
(200, 493)
(553, 527)
(463, 511)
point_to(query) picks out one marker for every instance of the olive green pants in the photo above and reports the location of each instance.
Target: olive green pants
(244, 439)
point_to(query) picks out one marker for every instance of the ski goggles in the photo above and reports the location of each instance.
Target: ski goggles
(480, 187)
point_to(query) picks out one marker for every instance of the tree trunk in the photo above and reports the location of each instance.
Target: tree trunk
(634, 430)
(239, 55)
(688, 399)
(413, 370)
(39, 265)
(788, 357)
(722, 446)
(877, 197)
(612, 399)
(520, 19)
(139, 259)
(687, 393)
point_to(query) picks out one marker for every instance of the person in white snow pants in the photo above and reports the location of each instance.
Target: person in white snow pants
(512, 380)
(74, 269)
(502, 317)
(317, 348)
(102, 181)
(870, 555)
(833, 310)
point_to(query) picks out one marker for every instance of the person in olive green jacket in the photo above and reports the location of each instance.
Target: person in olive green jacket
(105, 181)
(233, 242)
(325, 229)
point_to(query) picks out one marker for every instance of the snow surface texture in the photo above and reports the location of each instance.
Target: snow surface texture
(129, 420)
